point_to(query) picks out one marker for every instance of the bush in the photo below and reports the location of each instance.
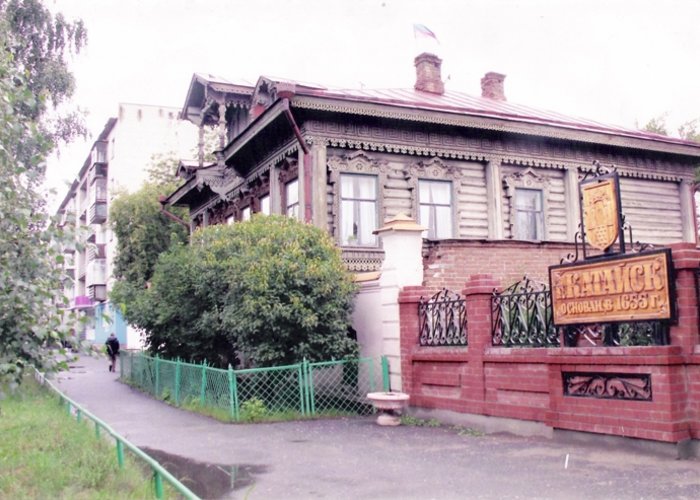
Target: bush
(272, 289)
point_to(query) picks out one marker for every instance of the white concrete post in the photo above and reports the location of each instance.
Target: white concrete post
(402, 266)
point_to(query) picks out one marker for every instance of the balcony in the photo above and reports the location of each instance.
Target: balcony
(98, 212)
(97, 172)
(96, 272)
(98, 251)
(98, 155)
(81, 302)
(91, 234)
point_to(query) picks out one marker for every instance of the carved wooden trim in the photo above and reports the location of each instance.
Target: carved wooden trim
(527, 179)
(357, 162)
(488, 123)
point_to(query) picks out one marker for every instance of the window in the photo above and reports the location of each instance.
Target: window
(245, 213)
(529, 215)
(435, 207)
(358, 209)
(292, 197)
(265, 205)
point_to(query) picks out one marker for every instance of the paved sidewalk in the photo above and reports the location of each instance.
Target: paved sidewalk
(355, 458)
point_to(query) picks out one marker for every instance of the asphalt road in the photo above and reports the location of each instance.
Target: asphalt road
(355, 458)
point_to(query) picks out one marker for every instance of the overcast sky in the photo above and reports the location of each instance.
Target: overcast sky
(616, 61)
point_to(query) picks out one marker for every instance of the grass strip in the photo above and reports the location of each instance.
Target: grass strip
(45, 453)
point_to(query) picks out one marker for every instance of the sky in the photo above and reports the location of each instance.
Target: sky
(620, 62)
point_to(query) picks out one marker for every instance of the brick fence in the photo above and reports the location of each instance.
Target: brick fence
(528, 383)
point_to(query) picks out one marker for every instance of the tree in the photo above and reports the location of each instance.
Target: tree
(32, 70)
(689, 130)
(39, 44)
(271, 289)
(657, 125)
(143, 233)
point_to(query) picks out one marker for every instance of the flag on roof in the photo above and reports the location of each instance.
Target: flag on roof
(420, 30)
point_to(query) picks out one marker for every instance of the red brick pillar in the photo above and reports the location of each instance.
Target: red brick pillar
(477, 293)
(686, 260)
(409, 297)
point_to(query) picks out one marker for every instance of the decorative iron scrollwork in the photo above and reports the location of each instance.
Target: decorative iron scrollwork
(626, 386)
(521, 316)
(443, 320)
(640, 333)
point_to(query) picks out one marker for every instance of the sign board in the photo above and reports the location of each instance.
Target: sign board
(637, 287)
(601, 211)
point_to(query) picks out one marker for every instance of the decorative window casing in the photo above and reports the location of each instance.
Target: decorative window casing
(434, 173)
(527, 194)
(353, 168)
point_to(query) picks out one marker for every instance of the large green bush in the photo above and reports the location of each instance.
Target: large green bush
(271, 289)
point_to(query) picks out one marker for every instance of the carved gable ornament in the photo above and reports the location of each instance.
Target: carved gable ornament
(434, 168)
(526, 179)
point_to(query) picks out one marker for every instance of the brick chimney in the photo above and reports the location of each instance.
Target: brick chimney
(492, 86)
(428, 77)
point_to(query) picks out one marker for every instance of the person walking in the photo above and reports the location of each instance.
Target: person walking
(112, 344)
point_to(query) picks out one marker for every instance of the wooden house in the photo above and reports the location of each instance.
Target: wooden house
(469, 168)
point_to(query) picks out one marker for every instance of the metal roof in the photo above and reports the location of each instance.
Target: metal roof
(461, 103)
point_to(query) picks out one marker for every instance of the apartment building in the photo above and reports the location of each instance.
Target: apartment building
(116, 162)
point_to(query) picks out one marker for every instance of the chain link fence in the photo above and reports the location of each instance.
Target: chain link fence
(331, 388)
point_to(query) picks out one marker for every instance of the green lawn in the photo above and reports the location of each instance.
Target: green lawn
(45, 453)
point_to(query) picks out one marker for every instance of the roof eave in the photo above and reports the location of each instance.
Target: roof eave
(463, 118)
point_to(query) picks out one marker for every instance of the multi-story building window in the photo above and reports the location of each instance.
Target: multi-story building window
(435, 208)
(265, 205)
(292, 198)
(358, 209)
(529, 214)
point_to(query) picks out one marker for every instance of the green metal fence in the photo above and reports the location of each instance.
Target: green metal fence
(281, 392)
(159, 473)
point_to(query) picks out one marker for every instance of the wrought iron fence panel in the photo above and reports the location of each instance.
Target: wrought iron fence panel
(638, 333)
(521, 316)
(443, 320)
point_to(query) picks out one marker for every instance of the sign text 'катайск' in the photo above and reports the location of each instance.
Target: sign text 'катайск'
(630, 288)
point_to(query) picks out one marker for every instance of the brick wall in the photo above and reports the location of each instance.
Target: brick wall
(449, 263)
(527, 383)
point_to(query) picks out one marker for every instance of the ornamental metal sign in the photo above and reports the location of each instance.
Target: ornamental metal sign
(636, 287)
(600, 209)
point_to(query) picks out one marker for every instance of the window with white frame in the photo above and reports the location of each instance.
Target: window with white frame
(292, 197)
(265, 205)
(529, 214)
(435, 207)
(358, 209)
(245, 213)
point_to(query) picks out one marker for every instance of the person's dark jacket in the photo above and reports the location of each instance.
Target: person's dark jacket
(112, 346)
